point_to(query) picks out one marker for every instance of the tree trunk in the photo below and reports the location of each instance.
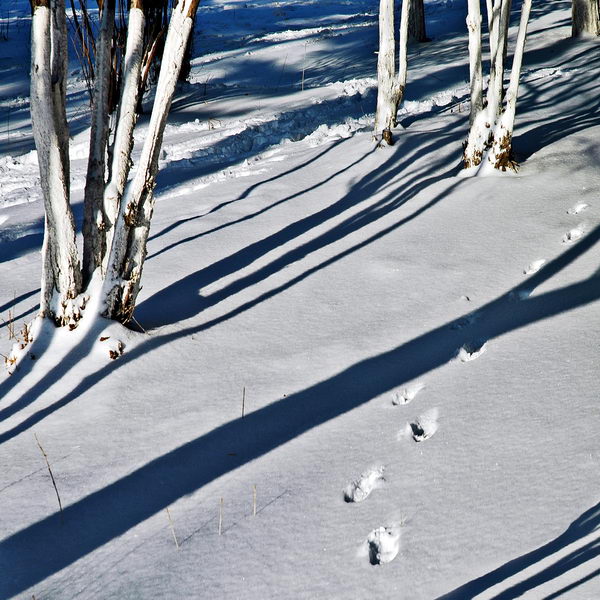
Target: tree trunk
(416, 25)
(61, 274)
(479, 128)
(390, 88)
(585, 17)
(94, 221)
(387, 93)
(128, 249)
(127, 116)
(499, 156)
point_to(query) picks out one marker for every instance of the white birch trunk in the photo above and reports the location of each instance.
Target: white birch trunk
(94, 223)
(61, 275)
(387, 93)
(585, 18)
(390, 88)
(128, 249)
(403, 50)
(479, 128)
(123, 142)
(499, 156)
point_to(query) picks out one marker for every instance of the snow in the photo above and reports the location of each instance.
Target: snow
(335, 288)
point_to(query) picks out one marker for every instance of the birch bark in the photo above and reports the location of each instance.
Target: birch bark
(128, 250)
(585, 17)
(94, 220)
(499, 155)
(390, 87)
(61, 275)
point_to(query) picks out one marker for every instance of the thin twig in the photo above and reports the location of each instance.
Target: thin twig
(49, 471)
(221, 517)
(243, 401)
(254, 500)
(172, 527)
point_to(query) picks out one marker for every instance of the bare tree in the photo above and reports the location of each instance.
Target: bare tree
(117, 219)
(416, 23)
(489, 143)
(585, 17)
(390, 86)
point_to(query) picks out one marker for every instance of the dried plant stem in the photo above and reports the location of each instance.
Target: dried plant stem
(49, 471)
(254, 500)
(221, 517)
(172, 527)
(243, 402)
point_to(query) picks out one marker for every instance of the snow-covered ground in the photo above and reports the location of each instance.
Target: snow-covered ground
(415, 354)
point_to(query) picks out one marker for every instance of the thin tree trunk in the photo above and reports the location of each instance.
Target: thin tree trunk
(123, 142)
(387, 93)
(94, 221)
(416, 26)
(61, 275)
(585, 17)
(128, 249)
(390, 90)
(499, 156)
(479, 129)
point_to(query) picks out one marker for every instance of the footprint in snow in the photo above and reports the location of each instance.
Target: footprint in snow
(465, 321)
(471, 350)
(573, 235)
(359, 490)
(423, 427)
(534, 267)
(383, 544)
(408, 394)
(578, 208)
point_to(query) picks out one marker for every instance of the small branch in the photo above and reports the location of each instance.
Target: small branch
(221, 517)
(49, 471)
(172, 527)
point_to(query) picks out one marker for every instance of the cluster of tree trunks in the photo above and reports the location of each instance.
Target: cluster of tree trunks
(116, 216)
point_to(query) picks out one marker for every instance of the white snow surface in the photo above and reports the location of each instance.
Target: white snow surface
(302, 275)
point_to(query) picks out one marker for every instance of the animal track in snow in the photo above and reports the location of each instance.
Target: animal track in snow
(424, 426)
(518, 295)
(471, 350)
(464, 321)
(359, 490)
(383, 544)
(534, 267)
(577, 208)
(573, 235)
(408, 394)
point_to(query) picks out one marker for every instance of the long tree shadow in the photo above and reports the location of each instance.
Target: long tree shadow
(190, 285)
(361, 194)
(109, 512)
(588, 523)
(243, 196)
